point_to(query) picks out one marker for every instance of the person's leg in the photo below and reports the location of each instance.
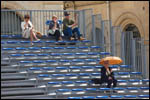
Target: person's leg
(31, 31)
(77, 31)
(58, 35)
(31, 38)
(68, 32)
(114, 82)
(109, 82)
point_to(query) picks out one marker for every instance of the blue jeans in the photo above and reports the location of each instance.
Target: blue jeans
(69, 32)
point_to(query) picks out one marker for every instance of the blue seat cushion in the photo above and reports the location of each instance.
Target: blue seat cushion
(7, 49)
(34, 68)
(67, 82)
(77, 60)
(95, 47)
(12, 42)
(63, 90)
(42, 54)
(34, 48)
(29, 54)
(101, 97)
(51, 61)
(16, 55)
(80, 81)
(83, 47)
(25, 42)
(78, 89)
(104, 53)
(123, 73)
(116, 96)
(104, 89)
(84, 74)
(144, 88)
(48, 68)
(143, 96)
(130, 96)
(61, 68)
(21, 48)
(46, 48)
(132, 88)
(121, 81)
(53, 82)
(88, 97)
(80, 53)
(71, 74)
(74, 67)
(43, 75)
(38, 61)
(91, 89)
(57, 75)
(74, 97)
(136, 73)
(134, 80)
(125, 66)
(25, 61)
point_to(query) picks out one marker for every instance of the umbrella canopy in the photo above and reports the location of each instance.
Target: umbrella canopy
(112, 60)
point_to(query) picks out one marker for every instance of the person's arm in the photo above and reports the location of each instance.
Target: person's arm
(103, 71)
(51, 25)
(23, 25)
(31, 25)
(58, 26)
(111, 75)
(65, 23)
(73, 23)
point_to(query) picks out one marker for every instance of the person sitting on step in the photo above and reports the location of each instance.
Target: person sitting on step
(27, 29)
(107, 76)
(54, 29)
(70, 29)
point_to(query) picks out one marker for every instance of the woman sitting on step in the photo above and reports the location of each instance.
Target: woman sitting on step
(27, 29)
(54, 29)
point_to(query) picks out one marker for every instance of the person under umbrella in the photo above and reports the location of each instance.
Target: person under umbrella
(107, 76)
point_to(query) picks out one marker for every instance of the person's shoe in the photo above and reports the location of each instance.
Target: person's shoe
(107, 91)
(38, 40)
(32, 44)
(81, 39)
(60, 39)
(71, 38)
(114, 91)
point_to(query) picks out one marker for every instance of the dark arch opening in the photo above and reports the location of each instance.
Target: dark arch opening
(134, 29)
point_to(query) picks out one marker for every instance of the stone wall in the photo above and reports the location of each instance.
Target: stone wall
(33, 5)
(121, 13)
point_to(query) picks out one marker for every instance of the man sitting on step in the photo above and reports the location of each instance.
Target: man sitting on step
(70, 28)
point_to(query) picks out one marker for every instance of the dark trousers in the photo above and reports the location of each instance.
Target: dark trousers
(70, 32)
(57, 34)
(109, 82)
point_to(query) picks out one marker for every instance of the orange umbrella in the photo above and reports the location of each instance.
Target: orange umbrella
(112, 60)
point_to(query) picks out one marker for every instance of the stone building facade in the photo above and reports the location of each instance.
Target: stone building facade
(33, 5)
(121, 13)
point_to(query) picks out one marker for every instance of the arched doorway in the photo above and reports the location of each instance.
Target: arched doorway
(10, 22)
(132, 32)
(134, 29)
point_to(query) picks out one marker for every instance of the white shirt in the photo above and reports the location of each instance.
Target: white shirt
(23, 23)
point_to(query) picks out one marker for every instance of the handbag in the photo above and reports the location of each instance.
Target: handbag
(38, 34)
